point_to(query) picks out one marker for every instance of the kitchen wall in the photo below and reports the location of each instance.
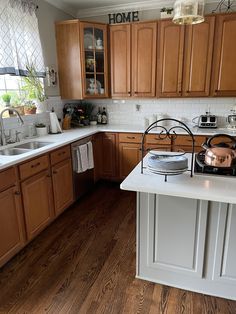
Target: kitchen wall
(125, 112)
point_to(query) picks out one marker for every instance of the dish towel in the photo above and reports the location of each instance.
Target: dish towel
(90, 155)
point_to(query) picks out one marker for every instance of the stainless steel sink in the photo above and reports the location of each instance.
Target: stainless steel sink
(33, 145)
(13, 151)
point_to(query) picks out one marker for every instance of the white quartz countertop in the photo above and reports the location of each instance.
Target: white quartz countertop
(72, 135)
(204, 187)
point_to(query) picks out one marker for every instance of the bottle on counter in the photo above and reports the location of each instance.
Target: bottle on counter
(99, 116)
(104, 116)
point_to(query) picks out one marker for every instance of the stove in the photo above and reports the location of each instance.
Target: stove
(201, 168)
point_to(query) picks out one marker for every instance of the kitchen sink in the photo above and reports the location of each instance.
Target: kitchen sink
(13, 151)
(33, 145)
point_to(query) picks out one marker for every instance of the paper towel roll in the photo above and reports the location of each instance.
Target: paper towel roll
(54, 123)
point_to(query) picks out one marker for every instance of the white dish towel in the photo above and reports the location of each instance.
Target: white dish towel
(83, 157)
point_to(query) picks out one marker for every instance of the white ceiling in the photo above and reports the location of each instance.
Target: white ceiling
(78, 8)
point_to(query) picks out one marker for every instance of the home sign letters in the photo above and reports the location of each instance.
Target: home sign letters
(124, 17)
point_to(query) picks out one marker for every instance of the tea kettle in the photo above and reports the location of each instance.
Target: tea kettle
(222, 154)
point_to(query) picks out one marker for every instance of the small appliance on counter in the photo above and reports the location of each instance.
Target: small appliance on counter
(217, 158)
(206, 121)
(231, 120)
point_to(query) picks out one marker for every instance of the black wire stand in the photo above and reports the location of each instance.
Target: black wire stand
(165, 132)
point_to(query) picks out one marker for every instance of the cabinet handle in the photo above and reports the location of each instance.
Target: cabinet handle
(17, 193)
(62, 153)
(54, 172)
(48, 176)
(131, 137)
(35, 165)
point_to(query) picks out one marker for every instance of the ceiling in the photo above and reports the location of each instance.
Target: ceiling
(81, 8)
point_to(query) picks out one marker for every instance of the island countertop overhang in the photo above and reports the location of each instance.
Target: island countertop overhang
(204, 187)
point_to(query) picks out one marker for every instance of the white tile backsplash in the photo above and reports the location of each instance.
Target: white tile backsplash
(124, 112)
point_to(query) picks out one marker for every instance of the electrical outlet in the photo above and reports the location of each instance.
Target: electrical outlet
(138, 107)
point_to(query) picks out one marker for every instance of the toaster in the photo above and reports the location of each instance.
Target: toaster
(207, 121)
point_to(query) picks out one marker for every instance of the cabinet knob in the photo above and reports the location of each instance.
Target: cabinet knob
(35, 165)
(17, 193)
(48, 175)
(54, 172)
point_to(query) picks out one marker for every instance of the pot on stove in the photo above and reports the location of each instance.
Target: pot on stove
(222, 154)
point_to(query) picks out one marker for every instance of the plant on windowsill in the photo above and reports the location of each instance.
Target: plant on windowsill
(30, 108)
(34, 89)
(7, 99)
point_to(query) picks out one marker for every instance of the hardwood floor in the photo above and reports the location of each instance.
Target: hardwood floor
(85, 263)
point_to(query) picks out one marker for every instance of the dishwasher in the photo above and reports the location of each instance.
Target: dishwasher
(83, 182)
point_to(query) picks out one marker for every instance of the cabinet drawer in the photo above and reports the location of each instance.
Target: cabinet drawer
(7, 178)
(157, 139)
(186, 140)
(130, 138)
(33, 167)
(60, 155)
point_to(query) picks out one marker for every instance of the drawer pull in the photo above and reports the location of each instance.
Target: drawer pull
(35, 165)
(131, 137)
(62, 153)
(17, 193)
(54, 172)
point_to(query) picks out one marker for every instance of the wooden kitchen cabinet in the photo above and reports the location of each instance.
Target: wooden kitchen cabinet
(170, 59)
(82, 64)
(136, 78)
(199, 40)
(62, 185)
(38, 202)
(120, 57)
(144, 46)
(11, 217)
(97, 154)
(224, 61)
(184, 143)
(109, 156)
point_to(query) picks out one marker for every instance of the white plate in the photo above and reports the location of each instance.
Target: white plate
(167, 172)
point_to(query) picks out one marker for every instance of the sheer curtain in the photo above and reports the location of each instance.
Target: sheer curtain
(20, 43)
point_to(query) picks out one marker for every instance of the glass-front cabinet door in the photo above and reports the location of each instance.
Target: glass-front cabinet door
(94, 60)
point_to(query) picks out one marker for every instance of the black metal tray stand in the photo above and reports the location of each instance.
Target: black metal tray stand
(165, 132)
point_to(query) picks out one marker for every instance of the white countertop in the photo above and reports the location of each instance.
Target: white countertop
(72, 135)
(204, 187)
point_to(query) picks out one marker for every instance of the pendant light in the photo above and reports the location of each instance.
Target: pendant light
(187, 12)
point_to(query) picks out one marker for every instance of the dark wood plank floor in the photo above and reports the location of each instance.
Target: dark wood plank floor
(85, 263)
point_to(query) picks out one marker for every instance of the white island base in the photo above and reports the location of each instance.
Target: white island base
(187, 243)
(186, 231)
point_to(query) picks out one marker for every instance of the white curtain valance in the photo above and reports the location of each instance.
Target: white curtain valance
(20, 43)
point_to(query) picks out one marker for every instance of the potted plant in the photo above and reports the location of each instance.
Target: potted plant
(7, 99)
(17, 102)
(30, 108)
(167, 13)
(41, 129)
(34, 88)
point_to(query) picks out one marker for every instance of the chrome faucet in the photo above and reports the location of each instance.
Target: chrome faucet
(3, 135)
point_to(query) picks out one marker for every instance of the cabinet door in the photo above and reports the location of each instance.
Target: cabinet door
(129, 157)
(94, 60)
(120, 41)
(109, 155)
(69, 63)
(38, 206)
(62, 185)
(11, 224)
(198, 58)
(170, 59)
(224, 62)
(225, 251)
(144, 42)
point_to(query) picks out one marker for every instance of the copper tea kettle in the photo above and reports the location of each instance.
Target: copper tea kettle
(222, 154)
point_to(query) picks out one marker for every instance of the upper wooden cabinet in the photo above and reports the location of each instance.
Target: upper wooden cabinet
(133, 63)
(199, 41)
(120, 60)
(82, 59)
(224, 69)
(170, 59)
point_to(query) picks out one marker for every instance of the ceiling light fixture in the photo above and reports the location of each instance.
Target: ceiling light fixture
(187, 12)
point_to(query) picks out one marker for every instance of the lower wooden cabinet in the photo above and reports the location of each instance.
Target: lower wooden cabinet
(11, 224)
(97, 154)
(129, 157)
(62, 185)
(38, 203)
(109, 156)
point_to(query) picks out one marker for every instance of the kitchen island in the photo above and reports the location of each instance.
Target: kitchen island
(186, 231)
